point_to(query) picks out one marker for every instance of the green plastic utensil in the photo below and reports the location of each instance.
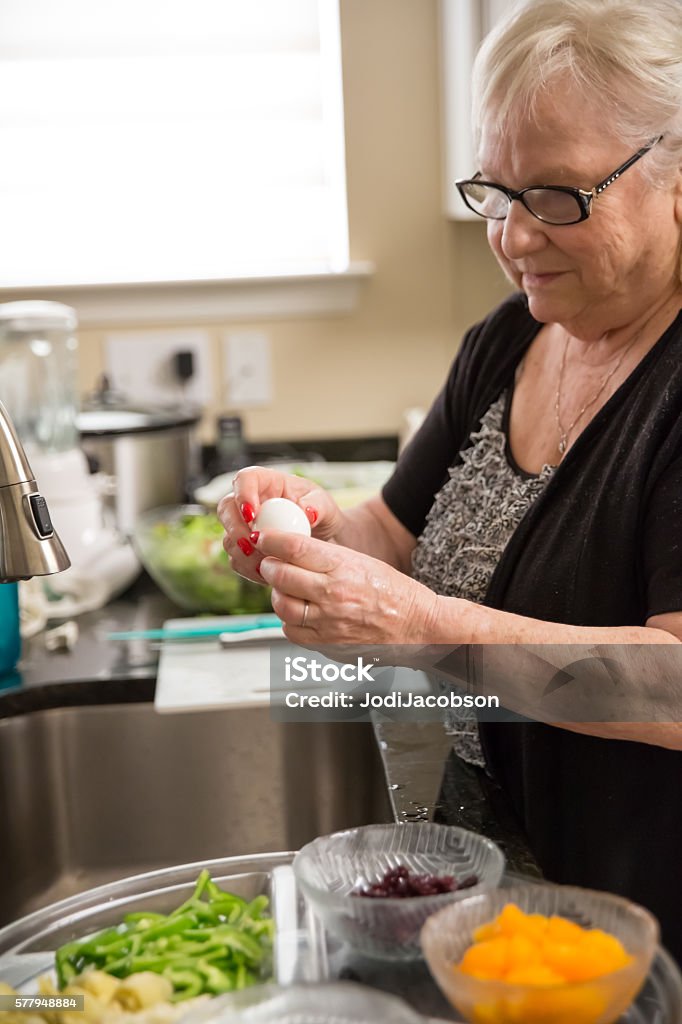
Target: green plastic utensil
(198, 632)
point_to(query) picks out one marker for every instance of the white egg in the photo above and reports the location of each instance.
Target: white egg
(282, 514)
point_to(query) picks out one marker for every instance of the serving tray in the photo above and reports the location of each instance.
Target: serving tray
(303, 952)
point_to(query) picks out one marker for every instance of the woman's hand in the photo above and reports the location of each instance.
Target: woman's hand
(343, 596)
(252, 487)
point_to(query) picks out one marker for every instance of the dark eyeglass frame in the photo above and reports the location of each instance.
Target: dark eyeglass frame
(583, 198)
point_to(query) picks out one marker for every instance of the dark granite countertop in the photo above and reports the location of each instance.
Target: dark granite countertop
(96, 670)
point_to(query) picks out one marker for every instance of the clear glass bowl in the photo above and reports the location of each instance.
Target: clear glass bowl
(447, 935)
(181, 547)
(330, 868)
(335, 1003)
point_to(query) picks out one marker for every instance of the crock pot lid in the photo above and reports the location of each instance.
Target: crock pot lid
(105, 422)
(31, 314)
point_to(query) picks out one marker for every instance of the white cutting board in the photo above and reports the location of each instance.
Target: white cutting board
(200, 675)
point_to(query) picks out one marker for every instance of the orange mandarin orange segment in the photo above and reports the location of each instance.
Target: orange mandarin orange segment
(532, 949)
(523, 952)
(559, 929)
(486, 931)
(605, 950)
(533, 974)
(571, 961)
(510, 920)
(536, 926)
(488, 959)
(555, 1006)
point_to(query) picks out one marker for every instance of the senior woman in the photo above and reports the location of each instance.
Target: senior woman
(541, 502)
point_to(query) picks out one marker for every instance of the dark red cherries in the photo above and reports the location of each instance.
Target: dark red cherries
(400, 882)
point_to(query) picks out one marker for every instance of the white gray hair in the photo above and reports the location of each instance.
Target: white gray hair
(626, 55)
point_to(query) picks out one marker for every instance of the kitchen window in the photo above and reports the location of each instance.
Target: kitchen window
(152, 141)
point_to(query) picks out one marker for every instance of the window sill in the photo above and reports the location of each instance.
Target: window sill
(263, 298)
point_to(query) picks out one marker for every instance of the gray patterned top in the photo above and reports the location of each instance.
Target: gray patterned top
(470, 523)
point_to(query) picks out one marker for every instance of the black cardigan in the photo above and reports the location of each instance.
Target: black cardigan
(601, 546)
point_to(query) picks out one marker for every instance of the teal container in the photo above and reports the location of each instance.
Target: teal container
(10, 640)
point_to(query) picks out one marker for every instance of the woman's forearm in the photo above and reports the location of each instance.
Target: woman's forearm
(617, 682)
(484, 625)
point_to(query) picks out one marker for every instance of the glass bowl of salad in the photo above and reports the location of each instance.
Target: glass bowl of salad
(181, 547)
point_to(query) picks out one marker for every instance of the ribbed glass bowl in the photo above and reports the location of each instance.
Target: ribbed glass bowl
(331, 867)
(447, 935)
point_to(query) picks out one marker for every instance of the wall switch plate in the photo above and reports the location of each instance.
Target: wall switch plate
(248, 368)
(141, 365)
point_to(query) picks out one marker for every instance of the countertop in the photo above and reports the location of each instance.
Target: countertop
(96, 670)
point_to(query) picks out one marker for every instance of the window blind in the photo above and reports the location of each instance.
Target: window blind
(163, 140)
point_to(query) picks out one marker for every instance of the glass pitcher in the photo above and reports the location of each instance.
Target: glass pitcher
(39, 373)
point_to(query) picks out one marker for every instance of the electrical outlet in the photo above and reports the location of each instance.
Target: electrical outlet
(141, 365)
(248, 368)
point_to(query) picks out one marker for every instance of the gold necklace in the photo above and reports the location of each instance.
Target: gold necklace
(565, 434)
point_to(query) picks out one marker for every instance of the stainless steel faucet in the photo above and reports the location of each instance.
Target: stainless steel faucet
(29, 545)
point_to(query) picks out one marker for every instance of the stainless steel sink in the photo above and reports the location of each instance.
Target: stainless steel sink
(91, 794)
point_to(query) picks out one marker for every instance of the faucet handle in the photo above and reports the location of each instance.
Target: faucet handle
(29, 545)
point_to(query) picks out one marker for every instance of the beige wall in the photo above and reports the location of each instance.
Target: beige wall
(355, 374)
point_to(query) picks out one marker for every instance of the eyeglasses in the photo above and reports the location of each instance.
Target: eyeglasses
(552, 204)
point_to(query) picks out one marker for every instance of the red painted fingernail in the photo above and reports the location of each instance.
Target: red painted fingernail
(311, 514)
(253, 537)
(244, 546)
(248, 515)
